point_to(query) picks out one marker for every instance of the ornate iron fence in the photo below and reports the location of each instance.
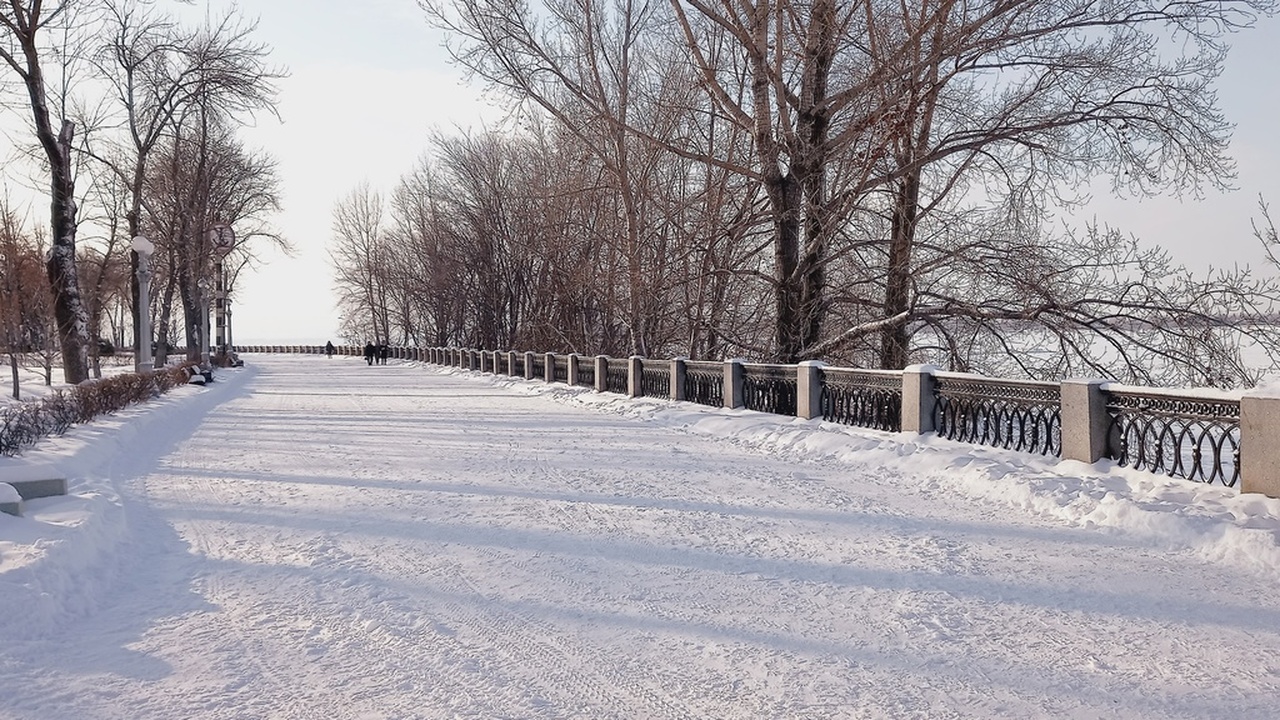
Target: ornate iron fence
(587, 372)
(561, 368)
(655, 379)
(539, 366)
(865, 398)
(1008, 414)
(704, 382)
(617, 376)
(769, 388)
(1196, 438)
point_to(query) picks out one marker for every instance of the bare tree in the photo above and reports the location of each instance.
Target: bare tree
(23, 49)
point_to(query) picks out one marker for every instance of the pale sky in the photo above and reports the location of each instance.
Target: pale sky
(369, 82)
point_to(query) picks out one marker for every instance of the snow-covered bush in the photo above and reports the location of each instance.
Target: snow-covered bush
(23, 425)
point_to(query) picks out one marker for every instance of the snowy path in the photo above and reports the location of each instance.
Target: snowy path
(407, 542)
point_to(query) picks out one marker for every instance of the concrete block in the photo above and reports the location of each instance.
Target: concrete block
(917, 399)
(1084, 420)
(1259, 451)
(809, 389)
(40, 488)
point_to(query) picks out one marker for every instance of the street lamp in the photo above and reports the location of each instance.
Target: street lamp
(206, 299)
(142, 358)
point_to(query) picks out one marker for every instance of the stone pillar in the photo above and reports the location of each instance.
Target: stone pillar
(574, 359)
(602, 373)
(1084, 420)
(513, 363)
(1259, 448)
(809, 389)
(678, 378)
(635, 372)
(549, 368)
(733, 383)
(917, 399)
(528, 366)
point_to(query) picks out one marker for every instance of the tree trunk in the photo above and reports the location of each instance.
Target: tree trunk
(894, 341)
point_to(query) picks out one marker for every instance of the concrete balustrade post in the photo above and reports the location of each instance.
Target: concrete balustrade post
(678, 379)
(574, 359)
(918, 399)
(528, 366)
(733, 397)
(1083, 412)
(1259, 448)
(513, 363)
(602, 373)
(809, 389)
(549, 368)
(635, 376)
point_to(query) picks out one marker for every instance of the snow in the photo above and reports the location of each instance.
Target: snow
(312, 537)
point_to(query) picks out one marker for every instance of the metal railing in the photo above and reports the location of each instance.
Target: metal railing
(561, 368)
(1008, 414)
(539, 366)
(586, 372)
(1181, 436)
(769, 388)
(864, 398)
(618, 376)
(704, 382)
(655, 379)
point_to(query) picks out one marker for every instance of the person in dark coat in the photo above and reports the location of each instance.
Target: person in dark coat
(368, 353)
(383, 352)
(328, 348)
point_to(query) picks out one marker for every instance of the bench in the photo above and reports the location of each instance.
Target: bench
(29, 490)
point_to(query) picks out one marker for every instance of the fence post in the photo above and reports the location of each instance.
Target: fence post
(809, 389)
(733, 383)
(602, 373)
(678, 378)
(1084, 420)
(549, 368)
(917, 399)
(1259, 451)
(635, 376)
(513, 361)
(574, 359)
(528, 365)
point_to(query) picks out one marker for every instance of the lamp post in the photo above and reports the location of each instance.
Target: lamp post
(142, 331)
(223, 239)
(206, 297)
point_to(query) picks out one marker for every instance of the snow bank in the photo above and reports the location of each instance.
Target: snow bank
(58, 558)
(1215, 523)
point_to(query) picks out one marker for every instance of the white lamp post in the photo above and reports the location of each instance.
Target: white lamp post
(206, 298)
(143, 247)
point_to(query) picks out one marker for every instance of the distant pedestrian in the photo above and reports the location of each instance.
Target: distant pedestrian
(383, 352)
(328, 348)
(369, 353)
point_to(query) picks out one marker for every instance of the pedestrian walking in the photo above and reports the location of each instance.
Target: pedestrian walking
(328, 349)
(368, 353)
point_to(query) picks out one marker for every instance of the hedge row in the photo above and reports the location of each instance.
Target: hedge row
(23, 425)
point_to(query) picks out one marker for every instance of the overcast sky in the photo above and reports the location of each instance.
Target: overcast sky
(369, 81)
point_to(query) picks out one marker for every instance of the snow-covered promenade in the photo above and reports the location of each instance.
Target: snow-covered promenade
(313, 538)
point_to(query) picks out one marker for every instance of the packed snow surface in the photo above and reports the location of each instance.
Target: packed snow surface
(318, 538)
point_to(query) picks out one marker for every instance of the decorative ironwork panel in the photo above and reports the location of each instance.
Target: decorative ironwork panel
(655, 379)
(1023, 416)
(769, 388)
(863, 399)
(704, 382)
(618, 375)
(539, 367)
(561, 368)
(587, 372)
(1179, 436)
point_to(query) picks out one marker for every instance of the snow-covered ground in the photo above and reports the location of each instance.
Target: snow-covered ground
(312, 538)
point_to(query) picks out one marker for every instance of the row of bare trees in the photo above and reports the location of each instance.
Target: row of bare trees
(135, 117)
(872, 183)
